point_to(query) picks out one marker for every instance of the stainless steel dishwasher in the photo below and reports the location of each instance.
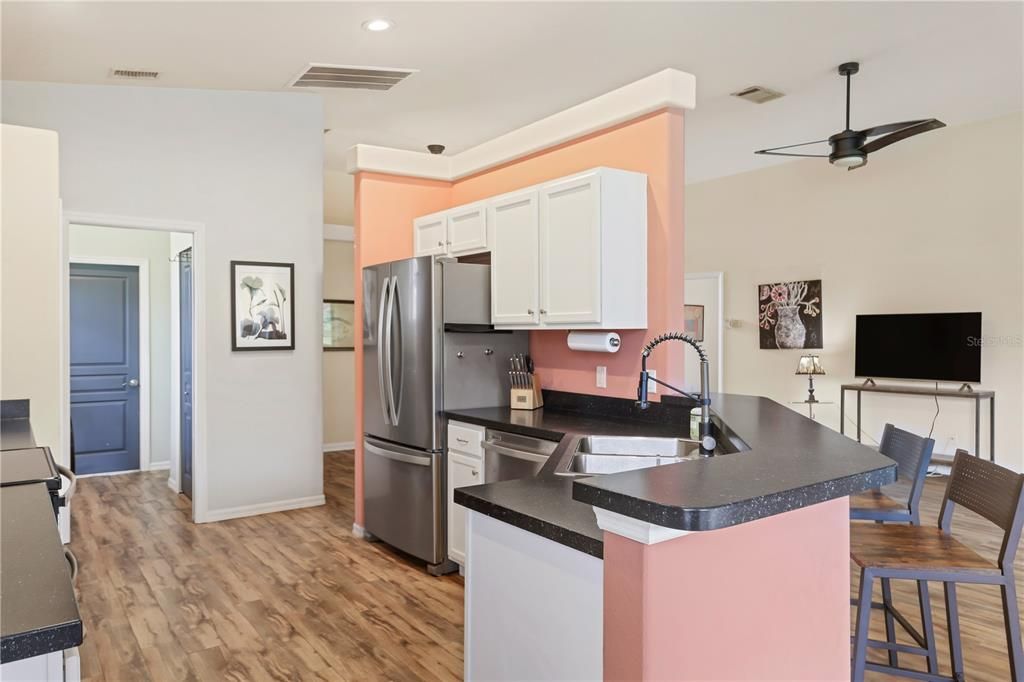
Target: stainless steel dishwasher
(509, 455)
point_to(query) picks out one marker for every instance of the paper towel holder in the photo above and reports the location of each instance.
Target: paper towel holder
(596, 342)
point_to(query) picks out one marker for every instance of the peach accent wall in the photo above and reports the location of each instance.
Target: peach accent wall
(763, 600)
(385, 208)
(653, 145)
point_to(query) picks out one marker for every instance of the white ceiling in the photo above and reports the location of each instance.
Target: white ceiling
(487, 68)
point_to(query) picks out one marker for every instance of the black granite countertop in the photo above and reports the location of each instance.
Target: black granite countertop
(38, 611)
(793, 462)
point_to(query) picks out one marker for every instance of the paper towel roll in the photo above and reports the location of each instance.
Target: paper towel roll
(596, 342)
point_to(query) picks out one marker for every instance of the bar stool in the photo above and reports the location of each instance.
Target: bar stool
(917, 553)
(912, 454)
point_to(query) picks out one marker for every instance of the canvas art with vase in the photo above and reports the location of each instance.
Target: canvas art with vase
(789, 314)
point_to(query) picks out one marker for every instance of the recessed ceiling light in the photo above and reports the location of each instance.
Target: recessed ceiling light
(376, 25)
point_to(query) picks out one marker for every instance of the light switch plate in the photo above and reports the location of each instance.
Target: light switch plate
(652, 387)
(602, 376)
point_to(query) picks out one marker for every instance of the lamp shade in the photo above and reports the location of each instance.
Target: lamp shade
(809, 364)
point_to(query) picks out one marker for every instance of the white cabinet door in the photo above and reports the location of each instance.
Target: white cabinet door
(514, 259)
(430, 234)
(570, 250)
(462, 471)
(467, 229)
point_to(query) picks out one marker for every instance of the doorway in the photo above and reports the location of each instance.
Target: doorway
(705, 289)
(185, 311)
(105, 366)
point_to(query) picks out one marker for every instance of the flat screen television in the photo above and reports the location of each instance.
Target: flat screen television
(927, 346)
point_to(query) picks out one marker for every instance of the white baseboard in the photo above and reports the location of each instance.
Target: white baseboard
(159, 466)
(173, 485)
(264, 508)
(332, 447)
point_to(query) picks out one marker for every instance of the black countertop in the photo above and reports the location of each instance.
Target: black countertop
(38, 611)
(793, 462)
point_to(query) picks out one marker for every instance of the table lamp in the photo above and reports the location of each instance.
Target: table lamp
(810, 365)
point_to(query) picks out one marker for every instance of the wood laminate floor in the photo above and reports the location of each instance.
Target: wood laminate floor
(293, 596)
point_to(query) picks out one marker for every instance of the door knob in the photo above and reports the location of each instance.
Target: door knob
(132, 383)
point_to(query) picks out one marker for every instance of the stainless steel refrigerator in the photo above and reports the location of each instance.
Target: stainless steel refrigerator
(427, 345)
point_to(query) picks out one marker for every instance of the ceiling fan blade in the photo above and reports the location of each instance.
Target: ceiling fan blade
(774, 151)
(916, 129)
(888, 128)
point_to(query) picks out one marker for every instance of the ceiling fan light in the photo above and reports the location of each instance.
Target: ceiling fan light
(849, 160)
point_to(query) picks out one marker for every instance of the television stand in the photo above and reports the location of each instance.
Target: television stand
(968, 393)
(869, 382)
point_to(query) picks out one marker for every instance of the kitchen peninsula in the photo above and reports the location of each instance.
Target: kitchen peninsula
(729, 567)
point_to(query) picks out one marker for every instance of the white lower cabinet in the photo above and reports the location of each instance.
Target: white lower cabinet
(465, 468)
(462, 471)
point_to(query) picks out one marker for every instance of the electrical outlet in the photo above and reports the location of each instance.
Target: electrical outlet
(652, 387)
(602, 376)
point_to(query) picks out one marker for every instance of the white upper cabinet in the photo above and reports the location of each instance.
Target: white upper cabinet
(590, 263)
(565, 254)
(457, 232)
(515, 259)
(430, 234)
(467, 229)
(570, 250)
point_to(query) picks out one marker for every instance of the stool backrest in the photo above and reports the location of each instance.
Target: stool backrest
(991, 491)
(912, 454)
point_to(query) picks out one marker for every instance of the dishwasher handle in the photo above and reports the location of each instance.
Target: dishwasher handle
(491, 446)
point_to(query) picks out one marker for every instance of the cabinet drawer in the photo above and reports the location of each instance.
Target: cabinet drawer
(466, 439)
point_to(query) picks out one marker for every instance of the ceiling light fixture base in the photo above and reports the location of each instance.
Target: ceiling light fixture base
(849, 68)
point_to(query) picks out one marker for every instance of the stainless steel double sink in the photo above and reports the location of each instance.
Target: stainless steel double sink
(596, 455)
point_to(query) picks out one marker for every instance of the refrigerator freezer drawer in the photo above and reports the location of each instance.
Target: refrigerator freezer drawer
(403, 494)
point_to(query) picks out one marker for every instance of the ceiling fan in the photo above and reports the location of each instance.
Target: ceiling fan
(850, 148)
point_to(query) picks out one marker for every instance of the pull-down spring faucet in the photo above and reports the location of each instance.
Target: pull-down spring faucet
(707, 439)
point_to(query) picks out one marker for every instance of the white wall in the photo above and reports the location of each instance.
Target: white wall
(249, 168)
(105, 242)
(33, 364)
(931, 224)
(339, 366)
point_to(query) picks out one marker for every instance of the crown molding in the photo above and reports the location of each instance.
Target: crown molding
(667, 89)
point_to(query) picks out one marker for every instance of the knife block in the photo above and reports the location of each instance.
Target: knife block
(528, 398)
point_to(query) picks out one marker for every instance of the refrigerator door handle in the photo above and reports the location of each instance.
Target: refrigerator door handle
(396, 455)
(396, 394)
(381, 351)
(388, 331)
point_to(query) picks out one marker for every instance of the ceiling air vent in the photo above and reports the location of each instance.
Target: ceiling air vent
(757, 94)
(134, 74)
(350, 77)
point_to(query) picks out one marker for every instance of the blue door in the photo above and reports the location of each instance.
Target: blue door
(105, 367)
(185, 380)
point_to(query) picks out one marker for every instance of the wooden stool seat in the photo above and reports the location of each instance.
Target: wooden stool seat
(876, 500)
(913, 548)
(910, 552)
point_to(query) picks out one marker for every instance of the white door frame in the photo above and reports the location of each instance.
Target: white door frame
(719, 278)
(144, 358)
(200, 497)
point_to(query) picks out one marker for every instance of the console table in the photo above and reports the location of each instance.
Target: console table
(976, 396)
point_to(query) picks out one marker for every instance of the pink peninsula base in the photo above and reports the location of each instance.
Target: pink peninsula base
(765, 600)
